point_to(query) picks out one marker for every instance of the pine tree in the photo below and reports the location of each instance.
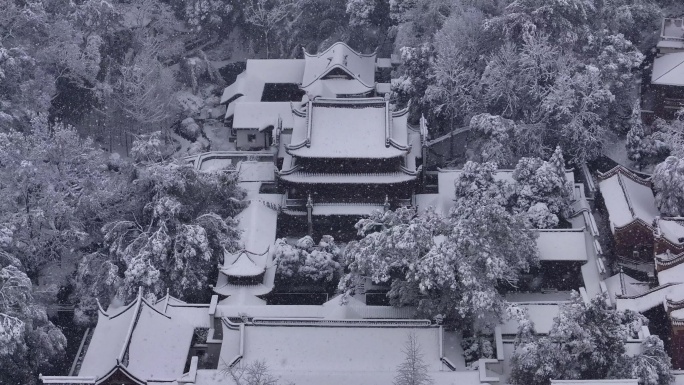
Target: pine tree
(413, 371)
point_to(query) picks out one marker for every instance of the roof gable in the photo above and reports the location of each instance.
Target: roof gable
(339, 59)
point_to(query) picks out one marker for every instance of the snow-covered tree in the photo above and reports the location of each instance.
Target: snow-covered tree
(543, 182)
(267, 15)
(671, 133)
(144, 89)
(668, 184)
(306, 261)
(360, 11)
(496, 134)
(476, 347)
(451, 266)
(587, 341)
(653, 365)
(452, 93)
(540, 217)
(29, 342)
(414, 370)
(477, 184)
(206, 14)
(55, 187)
(644, 149)
(172, 227)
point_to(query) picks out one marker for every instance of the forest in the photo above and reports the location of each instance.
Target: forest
(100, 101)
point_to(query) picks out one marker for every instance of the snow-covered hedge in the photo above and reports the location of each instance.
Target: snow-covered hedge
(307, 261)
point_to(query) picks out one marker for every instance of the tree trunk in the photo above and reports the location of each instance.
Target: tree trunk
(451, 137)
(267, 52)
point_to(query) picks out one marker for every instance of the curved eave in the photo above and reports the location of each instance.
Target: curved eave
(389, 178)
(402, 112)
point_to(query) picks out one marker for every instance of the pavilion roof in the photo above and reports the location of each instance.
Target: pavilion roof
(349, 128)
(244, 266)
(338, 57)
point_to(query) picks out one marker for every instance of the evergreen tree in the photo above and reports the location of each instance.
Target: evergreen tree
(29, 342)
(668, 184)
(306, 261)
(413, 371)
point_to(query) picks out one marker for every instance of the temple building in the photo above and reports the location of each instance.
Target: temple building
(341, 147)
(349, 156)
(259, 100)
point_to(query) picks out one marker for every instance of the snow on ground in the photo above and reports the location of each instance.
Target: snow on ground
(615, 149)
(252, 171)
(218, 135)
(562, 245)
(216, 164)
(453, 350)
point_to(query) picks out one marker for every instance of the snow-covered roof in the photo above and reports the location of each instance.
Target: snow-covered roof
(243, 266)
(107, 341)
(668, 69)
(257, 223)
(360, 68)
(251, 82)
(260, 115)
(627, 198)
(337, 349)
(632, 287)
(444, 377)
(225, 309)
(562, 245)
(672, 229)
(152, 344)
(349, 128)
(674, 274)
(595, 382)
(159, 346)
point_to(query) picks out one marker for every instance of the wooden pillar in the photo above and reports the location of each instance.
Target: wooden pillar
(309, 210)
